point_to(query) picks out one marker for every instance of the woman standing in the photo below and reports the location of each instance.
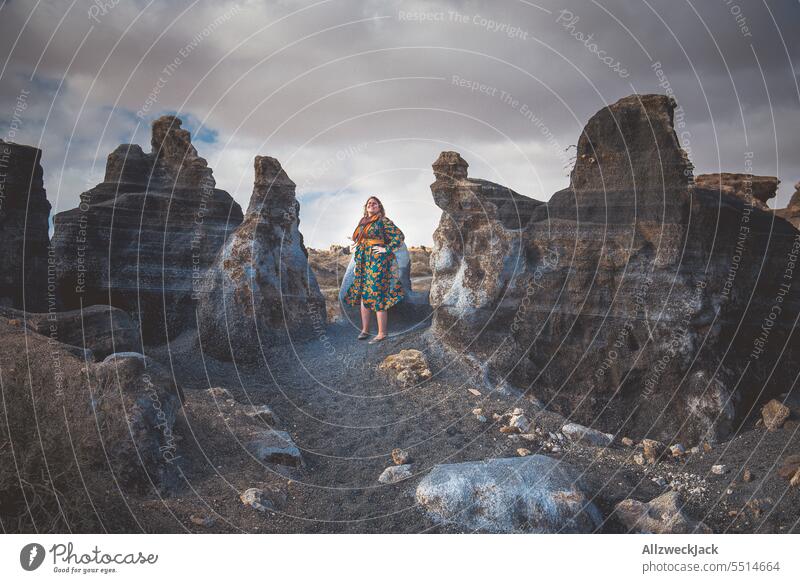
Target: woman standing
(376, 286)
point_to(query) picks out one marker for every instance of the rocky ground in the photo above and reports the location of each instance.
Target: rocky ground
(346, 416)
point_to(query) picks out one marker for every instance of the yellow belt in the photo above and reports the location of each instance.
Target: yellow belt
(371, 242)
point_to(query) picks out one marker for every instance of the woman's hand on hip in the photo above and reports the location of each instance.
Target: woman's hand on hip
(378, 249)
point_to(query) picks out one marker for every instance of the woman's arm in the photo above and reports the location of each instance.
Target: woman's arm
(394, 236)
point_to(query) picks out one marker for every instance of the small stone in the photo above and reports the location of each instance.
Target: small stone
(695, 449)
(394, 474)
(522, 452)
(477, 411)
(627, 442)
(790, 465)
(660, 481)
(677, 450)
(481, 418)
(555, 449)
(580, 434)
(258, 499)
(774, 415)
(528, 436)
(639, 459)
(508, 429)
(747, 476)
(795, 481)
(496, 417)
(706, 447)
(718, 469)
(219, 393)
(520, 422)
(204, 521)
(410, 366)
(517, 411)
(653, 450)
(475, 392)
(400, 456)
(14, 322)
(275, 447)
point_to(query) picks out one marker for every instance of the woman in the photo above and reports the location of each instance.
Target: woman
(376, 286)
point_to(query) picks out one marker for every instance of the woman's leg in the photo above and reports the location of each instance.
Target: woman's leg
(383, 320)
(365, 318)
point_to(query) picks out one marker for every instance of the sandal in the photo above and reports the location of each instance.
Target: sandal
(363, 336)
(377, 339)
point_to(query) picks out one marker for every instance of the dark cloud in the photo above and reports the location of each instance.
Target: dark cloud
(359, 97)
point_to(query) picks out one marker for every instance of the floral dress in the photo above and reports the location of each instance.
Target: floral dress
(376, 282)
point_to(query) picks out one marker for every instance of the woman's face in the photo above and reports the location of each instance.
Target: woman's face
(373, 207)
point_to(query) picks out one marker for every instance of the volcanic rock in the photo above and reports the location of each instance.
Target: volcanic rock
(24, 223)
(774, 414)
(530, 494)
(409, 366)
(394, 474)
(260, 289)
(662, 515)
(635, 299)
(580, 434)
(142, 238)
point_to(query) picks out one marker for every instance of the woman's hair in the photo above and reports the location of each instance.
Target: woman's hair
(382, 212)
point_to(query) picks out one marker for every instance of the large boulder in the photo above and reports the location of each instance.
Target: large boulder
(24, 224)
(260, 289)
(142, 239)
(634, 301)
(101, 329)
(533, 494)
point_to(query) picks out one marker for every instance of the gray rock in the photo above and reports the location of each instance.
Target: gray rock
(264, 413)
(580, 434)
(143, 237)
(258, 499)
(528, 494)
(510, 281)
(260, 289)
(394, 474)
(275, 447)
(662, 515)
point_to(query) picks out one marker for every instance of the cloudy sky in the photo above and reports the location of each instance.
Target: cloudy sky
(359, 97)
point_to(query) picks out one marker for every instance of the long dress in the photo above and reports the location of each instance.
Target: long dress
(376, 281)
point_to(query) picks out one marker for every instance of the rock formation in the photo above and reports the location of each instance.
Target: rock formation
(142, 239)
(756, 190)
(634, 300)
(24, 215)
(792, 212)
(101, 329)
(260, 289)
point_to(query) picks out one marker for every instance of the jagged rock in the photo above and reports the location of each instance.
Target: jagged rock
(635, 299)
(260, 289)
(258, 499)
(102, 329)
(275, 447)
(394, 474)
(409, 366)
(219, 393)
(662, 515)
(774, 415)
(752, 189)
(142, 239)
(400, 456)
(581, 434)
(653, 450)
(526, 494)
(792, 212)
(24, 224)
(135, 403)
(790, 465)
